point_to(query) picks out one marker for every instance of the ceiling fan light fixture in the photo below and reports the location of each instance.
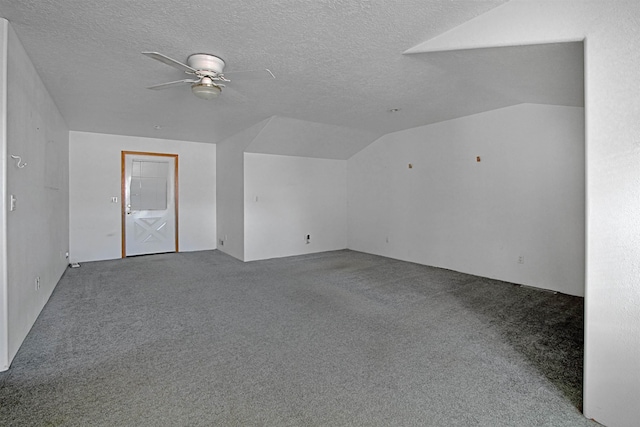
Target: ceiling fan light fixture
(205, 90)
(207, 70)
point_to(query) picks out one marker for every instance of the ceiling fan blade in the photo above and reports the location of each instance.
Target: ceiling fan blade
(169, 61)
(233, 96)
(250, 75)
(172, 84)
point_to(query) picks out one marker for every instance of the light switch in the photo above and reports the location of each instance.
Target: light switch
(13, 203)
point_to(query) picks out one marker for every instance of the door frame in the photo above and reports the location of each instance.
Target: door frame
(123, 187)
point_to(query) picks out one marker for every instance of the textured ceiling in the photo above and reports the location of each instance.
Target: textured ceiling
(339, 64)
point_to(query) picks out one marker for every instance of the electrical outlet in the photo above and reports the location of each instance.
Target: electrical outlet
(521, 259)
(307, 238)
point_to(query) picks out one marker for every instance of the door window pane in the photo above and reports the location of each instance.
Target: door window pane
(148, 190)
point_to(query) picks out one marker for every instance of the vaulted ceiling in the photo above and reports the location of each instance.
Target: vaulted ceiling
(342, 75)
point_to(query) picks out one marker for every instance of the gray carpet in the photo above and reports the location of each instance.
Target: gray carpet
(333, 339)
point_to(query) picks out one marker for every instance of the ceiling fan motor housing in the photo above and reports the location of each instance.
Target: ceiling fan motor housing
(206, 62)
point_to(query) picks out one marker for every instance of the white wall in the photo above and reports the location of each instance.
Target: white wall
(94, 178)
(524, 198)
(288, 197)
(38, 229)
(4, 287)
(612, 296)
(230, 172)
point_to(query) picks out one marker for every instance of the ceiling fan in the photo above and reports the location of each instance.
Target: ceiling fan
(208, 74)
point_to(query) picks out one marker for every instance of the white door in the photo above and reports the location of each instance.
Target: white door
(149, 186)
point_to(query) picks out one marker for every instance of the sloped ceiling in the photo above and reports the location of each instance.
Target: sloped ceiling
(339, 65)
(292, 137)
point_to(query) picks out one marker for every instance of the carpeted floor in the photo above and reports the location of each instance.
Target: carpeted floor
(333, 339)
